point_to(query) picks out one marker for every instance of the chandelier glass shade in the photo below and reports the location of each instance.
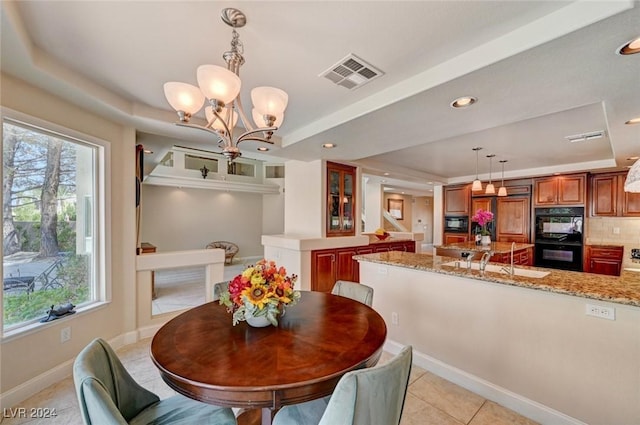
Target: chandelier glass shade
(632, 184)
(220, 88)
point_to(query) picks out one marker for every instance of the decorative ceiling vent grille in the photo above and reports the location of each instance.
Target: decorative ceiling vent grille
(351, 72)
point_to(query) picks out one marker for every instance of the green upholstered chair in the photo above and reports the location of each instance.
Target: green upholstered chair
(109, 395)
(373, 396)
(354, 290)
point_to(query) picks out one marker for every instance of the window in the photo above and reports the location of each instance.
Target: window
(53, 191)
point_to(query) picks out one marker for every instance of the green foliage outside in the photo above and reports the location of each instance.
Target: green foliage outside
(23, 307)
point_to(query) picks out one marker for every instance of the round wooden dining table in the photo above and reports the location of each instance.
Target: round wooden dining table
(201, 355)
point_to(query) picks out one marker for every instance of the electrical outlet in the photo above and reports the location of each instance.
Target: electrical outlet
(394, 318)
(65, 334)
(616, 230)
(602, 312)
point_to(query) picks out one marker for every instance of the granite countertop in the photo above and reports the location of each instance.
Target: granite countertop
(377, 241)
(495, 247)
(623, 289)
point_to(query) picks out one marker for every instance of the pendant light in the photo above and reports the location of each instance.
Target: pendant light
(491, 190)
(503, 190)
(477, 184)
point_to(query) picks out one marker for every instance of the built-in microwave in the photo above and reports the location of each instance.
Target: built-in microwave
(456, 224)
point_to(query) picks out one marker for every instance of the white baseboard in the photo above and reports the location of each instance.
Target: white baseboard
(18, 394)
(522, 405)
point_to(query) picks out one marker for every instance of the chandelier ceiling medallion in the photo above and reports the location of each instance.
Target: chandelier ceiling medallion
(220, 87)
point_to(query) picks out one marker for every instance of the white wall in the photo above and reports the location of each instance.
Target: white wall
(273, 210)
(175, 219)
(372, 204)
(304, 198)
(422, 221)
(40, 352)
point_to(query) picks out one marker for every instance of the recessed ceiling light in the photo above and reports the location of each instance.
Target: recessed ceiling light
(263, 149)
(385, 174)
(463, 102)
(329, 145)
(148, 152)
(633, 121)
(633, 158)
(630, 48)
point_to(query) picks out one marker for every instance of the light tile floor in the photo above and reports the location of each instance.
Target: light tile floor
(431, 400)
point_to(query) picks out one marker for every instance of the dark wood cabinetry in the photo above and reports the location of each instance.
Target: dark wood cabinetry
(522, 257)
(603, 259)
(450, 238)
(513, 219)
(608, 198)
(329, 265)
(341, 197)
(456, 200)
(560, 190)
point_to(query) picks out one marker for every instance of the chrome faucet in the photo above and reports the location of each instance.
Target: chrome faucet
(510, 270)
(485, 259)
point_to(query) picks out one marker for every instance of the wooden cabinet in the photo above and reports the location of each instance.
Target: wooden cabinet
(329, 265)
(521, 257)
(456, 200)
(513, 219)
(603, 259)
(608, 198)
(560, 190)
(341, 197)
(450, 238)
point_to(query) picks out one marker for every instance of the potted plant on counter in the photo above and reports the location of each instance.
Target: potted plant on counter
(483, 217)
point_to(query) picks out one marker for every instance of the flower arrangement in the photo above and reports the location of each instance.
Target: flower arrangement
(483, 217)
(260, 291)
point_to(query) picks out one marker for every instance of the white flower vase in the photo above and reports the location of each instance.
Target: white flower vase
(485, 240)
(258, 322)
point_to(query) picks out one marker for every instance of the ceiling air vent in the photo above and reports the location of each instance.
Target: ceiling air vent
(351, 72)
(583, 137)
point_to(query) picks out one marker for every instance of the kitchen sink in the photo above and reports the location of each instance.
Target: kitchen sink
(536, 274)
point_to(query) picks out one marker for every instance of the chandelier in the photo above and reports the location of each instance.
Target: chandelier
(220, 87)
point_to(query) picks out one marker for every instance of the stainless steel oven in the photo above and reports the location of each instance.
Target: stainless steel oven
(559, 237)
(456, 224)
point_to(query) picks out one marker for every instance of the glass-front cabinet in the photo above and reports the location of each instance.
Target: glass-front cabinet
(341, 190)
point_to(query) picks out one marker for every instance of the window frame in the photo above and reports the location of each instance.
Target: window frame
(101, 228)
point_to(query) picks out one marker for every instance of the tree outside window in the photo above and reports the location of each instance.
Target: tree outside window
(49, 185)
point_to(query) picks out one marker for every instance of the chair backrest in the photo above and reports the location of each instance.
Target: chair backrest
(354, 290)
(373, 396)
(219, 288)
(106, 392)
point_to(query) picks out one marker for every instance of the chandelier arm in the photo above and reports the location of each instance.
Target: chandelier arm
(245, 135)
(224, 123)
(200, 127)
(255, 139)
(247, 124)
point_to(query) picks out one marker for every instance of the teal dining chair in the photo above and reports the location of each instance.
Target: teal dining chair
(109, 395)
(354, 290)
(373, 396)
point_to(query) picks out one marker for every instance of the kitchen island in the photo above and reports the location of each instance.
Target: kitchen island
(525, 342)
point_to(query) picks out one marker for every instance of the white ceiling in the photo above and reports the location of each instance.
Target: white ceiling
(541, 70)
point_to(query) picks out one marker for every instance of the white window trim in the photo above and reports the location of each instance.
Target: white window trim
(102, 227)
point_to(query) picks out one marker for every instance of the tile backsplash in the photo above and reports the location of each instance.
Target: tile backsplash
(615, 231)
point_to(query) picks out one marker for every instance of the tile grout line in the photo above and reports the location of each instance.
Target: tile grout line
(478, 411)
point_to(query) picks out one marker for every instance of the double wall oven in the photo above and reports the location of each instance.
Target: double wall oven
(559, 237)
